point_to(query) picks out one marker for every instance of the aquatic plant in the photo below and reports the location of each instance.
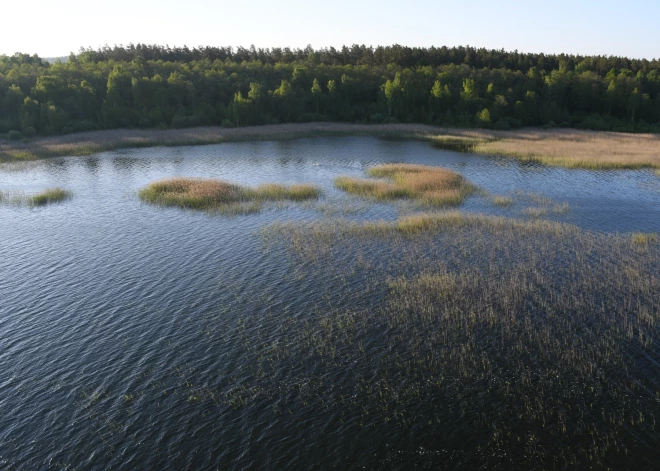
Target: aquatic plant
(535, 336)
(503, 201)
(644, 238)
(51, 195)
(48, 196)
(433, 186)
(207, 194)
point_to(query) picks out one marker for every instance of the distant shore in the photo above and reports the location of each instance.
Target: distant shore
(557, 147)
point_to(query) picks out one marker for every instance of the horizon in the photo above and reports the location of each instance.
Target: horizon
(607, 31)
(374, 46)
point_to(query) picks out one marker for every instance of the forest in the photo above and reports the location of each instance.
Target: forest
(150, 86)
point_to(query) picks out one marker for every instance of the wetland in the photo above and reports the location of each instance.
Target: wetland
(370, 302)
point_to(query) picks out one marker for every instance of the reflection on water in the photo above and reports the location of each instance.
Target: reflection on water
(120, 323)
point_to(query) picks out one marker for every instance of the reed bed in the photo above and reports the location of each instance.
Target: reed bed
(576, 149)
(433, 186)
(534, 339)
(412, 225)
(569, 148)
(206, 194)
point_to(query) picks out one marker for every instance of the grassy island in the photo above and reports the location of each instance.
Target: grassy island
(432, 185)
(208, 194)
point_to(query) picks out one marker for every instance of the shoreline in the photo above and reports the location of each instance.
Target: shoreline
(569, 148)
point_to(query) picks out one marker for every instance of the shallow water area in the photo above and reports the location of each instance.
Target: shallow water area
(128, 332)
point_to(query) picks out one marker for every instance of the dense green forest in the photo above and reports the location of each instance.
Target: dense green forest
(154, 86)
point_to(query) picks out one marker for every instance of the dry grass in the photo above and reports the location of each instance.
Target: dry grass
(213, 194)
(503, 201)
(432, 185)
(644, 238)
(559, 147)
(575, 149)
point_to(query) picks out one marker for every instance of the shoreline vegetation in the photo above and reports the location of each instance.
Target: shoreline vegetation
(568, 148)
(209, 194)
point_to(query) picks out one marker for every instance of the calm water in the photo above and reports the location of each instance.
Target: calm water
(117, 318)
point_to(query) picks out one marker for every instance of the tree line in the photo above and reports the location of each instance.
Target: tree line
(158, 86)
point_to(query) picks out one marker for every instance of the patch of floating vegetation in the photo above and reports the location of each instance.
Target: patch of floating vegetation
(535, 339)
(433, 186)
(43, 198)
(206, 194)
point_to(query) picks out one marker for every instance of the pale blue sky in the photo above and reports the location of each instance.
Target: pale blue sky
(51, 28)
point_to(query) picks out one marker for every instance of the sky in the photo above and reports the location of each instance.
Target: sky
(604, 27)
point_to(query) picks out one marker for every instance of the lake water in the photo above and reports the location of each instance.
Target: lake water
(120, 340)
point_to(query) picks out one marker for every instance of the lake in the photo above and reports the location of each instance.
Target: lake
(139, 337)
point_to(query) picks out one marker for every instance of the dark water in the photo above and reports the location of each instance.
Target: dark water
(119, 345)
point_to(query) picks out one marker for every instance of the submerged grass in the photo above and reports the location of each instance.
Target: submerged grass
(535, 338)
(413, 225)
(433, 186)
(569, 148)
(206, 194)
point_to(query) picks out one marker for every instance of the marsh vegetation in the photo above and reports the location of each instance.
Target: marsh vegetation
(208, 194)
(433, 186)
(515, 331)
(535, 336)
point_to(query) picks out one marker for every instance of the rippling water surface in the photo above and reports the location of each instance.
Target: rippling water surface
(119, 345)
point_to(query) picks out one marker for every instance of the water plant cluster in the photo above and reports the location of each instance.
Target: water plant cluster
(209, 194)
(43, 198)
(432, 185)
(524, 344)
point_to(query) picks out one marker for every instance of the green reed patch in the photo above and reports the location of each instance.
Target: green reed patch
(433, 186)
(207, 194)
(51, 195)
